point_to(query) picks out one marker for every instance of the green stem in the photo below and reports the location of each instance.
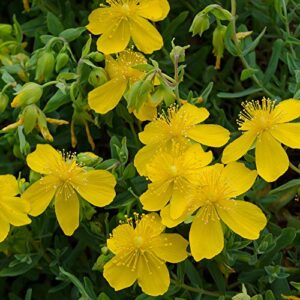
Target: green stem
(11, 84)
(198, 290)
(240, 54)
(294, 168)
(49, 83)
(135, 136)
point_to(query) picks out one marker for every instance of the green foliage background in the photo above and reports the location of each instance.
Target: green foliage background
(39, 262)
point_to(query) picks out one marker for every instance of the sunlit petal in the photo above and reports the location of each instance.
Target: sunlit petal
(288, 134)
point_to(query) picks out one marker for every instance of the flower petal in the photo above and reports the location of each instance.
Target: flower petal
(4, 227)
(44, 159)
(287, 110)
(106, 97)
(145, 36)
(9, 185)
(244, 218)
(153, 275)
(150, 225)
(96, 187)
(288, 134)
(40, 194)
(209, 135)
(180, 199)
(67, 209)
(271, 159)
(239, 147)
(168, 221)
(154, 10)
(239, 178)
(121, 236)
(100, 19)
(143, 157)
(206, 234)
(118, 274)
(156, 196)
(154, 132)
(115, 38)
(15, 210)
(170, 247)
(192, 114)
(147, 112)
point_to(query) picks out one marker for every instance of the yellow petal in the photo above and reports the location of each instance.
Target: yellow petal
(44, 159)
(150, 225)
(206, 234)
(170, 247)
(244, 218)
(118, 274)
(288, 134)
(40, 194)
(115, 38)
(4, 227)
(154, 10)
(153, 275)
(96, 187)
(239, 147)
(193, 115)
(100, 20)
(287, 110)
(209, 135)
(67, 209)
(271, 159)
(143, 157)
(9, 185)
(15, 210)
(145, 36)
(106, 97)
(180, 199)
(239, 178)
(156, 196)
(154, 132)
(121, 237)
(146, 112)
(168, 221)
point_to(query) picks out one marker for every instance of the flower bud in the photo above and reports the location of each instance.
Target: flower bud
(30, 116)
(61, 60)
(88, 158)
(97, 77)
(45, 66)
(200, 24)
(218, 44)
(178, 53)
(3, 102)
(30, 93)
(97, 56)
(5, 30)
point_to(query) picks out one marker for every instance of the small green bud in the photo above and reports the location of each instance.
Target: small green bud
(3, 102)
(218, 44)
(100, 262)
(221, 13)
(103, 296)
(5, 30)
(178, 53)
(200, 24)
(88, 158)
(61, 60)
(30, 116)
(33, 176)
(30, 93)
(97, 77)
(97, 56)
(45, 66)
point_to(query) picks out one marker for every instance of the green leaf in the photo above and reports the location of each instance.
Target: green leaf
(87, 47)
(207, 91)
(56, 101)
(18, 30)
(254, 44)
(54, 24)
(243, 93)
(229, 45)
(72, 34)
(288, 185)
(247, 73)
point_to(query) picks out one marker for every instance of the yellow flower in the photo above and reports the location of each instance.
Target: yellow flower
(265, 126)
(122, 74)
(125, 19)
(219, 185)
(172, 173)
(141, 253)
(64, 181)
(13, 209)
(180, 126)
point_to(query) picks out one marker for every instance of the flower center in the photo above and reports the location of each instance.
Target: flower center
(138, 241)
(257, 116)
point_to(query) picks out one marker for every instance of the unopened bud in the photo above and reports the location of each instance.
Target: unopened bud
(30, 93)
(178, 53)
(200, 24)
(3, 102)
(5, 30)
(88, 158)
(61, 60)
(97, 56)
(97, 77)
(218, 44)
(45, 66)
(30, 116)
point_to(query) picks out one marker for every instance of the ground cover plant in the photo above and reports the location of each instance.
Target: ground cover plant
(149, 149)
